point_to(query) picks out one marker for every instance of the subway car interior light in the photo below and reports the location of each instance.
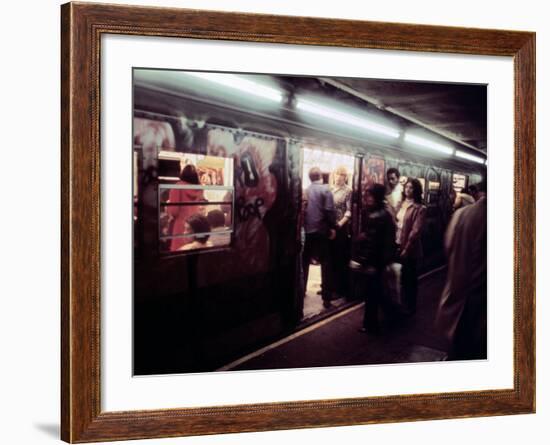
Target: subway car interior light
(273, 212)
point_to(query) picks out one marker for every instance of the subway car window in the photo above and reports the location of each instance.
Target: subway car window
(196, 197)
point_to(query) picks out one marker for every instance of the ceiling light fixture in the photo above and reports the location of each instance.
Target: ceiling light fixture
(346, 118)
(470, 157)
(241, 84)
(428, 144)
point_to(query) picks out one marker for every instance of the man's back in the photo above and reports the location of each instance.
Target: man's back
(462, 312)
(466, 244)
(319, 215)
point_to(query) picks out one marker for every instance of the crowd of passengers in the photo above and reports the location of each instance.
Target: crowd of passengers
(387, 251)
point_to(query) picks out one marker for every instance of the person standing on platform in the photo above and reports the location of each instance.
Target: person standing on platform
(411, 215)
(394, 194)
(462, 313)
(319, 225)
(375, 250)
(463, 198)
(340, 246)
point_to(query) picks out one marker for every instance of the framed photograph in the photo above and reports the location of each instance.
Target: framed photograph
(260, 227)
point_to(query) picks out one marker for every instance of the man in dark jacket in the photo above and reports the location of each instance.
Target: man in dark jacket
(319, 225)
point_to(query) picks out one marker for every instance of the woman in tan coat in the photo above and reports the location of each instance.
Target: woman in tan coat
(410, 218)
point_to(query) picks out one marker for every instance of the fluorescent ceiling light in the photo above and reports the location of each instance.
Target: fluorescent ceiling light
(346, 118)
(464, 155)
(426, 143)
(241, 84)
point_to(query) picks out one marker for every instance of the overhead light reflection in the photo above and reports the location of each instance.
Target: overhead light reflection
(470, 157)
(346, 118)
(241, 84)
(428, 144)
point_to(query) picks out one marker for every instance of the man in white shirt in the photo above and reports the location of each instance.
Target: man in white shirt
(395, 189)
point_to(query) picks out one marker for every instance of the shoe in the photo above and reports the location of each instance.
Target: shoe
(327, 304)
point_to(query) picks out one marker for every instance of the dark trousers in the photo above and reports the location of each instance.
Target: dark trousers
(340, 253)
(374, 298)
(316, 246)
(409, 283)
(470, 341)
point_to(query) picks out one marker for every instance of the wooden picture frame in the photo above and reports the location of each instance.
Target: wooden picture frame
(82, 26)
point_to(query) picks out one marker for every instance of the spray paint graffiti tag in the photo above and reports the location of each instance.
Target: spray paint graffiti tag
(245, 211)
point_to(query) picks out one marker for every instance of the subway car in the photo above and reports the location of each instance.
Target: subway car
(235, 285)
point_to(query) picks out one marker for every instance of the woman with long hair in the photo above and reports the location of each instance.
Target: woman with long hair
(340, 245)
(180, 213)
(410, 217)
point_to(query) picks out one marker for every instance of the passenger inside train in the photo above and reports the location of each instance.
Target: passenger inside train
(291, 222)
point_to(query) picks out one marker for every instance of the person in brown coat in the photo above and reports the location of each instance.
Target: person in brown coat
(410, 218)
(462, 313)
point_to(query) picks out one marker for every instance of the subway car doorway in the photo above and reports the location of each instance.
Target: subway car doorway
(325, 255)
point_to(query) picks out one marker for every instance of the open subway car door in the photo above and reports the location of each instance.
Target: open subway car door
(327, 291)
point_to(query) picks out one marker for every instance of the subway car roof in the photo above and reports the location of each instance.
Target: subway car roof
(423, 120)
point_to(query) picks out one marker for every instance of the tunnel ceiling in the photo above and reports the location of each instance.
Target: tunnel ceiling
(458, 111)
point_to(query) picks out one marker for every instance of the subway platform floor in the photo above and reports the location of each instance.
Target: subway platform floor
(336, 341)
(313, 303)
